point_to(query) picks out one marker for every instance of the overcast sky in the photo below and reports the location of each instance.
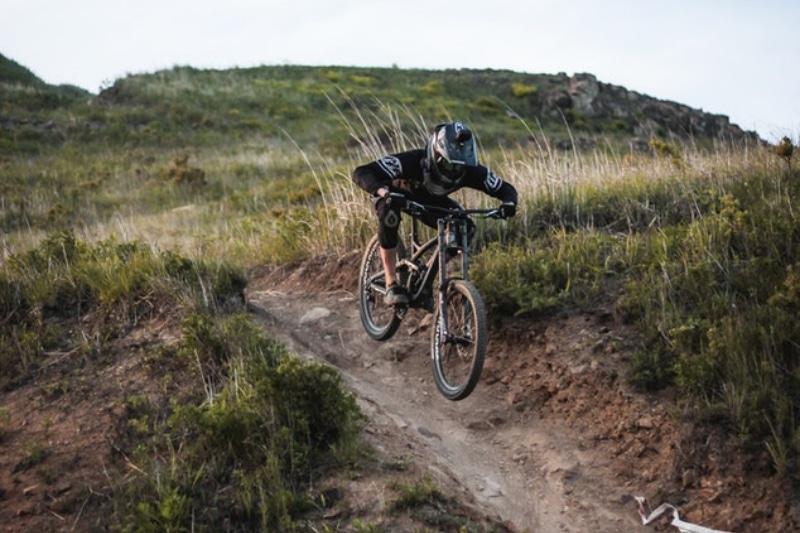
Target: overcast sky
(730, 57)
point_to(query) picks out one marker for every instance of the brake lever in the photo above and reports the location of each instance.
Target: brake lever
(392, 196)
(414, 208)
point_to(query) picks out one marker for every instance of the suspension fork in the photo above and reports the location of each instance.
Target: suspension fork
(441, 224)
(464, 230)
(461, 230)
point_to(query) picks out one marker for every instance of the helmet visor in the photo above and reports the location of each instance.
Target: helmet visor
(450, 169)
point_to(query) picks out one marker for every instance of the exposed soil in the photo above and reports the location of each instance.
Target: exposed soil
(551, 440)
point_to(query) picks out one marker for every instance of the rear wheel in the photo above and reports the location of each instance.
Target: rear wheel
(458, 356)
(380, 321)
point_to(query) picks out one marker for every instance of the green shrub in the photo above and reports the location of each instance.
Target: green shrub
(516, 280)
(66, 278)
(360, 79)
(14, 302)
(181, 173)
(486, 104)
(718, 309)
(785, 150)
(268, 423)
(333, 76)
(668, 150)
(431, 88)
(422, 492)
(557, 270)
(521, 90)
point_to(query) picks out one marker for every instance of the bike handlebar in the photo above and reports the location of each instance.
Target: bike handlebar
(416, 208)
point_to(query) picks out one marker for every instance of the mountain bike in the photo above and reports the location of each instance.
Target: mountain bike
(459, 335)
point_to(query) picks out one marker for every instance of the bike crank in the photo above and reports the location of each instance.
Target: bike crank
(400, 310)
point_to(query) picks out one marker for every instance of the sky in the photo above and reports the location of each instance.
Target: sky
(729, 57)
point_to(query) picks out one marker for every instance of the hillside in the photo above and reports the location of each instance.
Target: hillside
(642, 310)
(190, 107)
(12, 72)
(26, 100)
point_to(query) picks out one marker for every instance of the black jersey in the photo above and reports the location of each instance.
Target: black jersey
(404, 172)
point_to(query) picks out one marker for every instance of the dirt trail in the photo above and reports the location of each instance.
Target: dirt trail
(537, 475)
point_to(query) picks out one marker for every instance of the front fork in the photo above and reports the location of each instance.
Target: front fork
(444, 280)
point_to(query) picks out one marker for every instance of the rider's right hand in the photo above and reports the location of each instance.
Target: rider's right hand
(395, 200)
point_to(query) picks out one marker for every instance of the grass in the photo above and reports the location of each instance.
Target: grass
(248, 449)
(165, 191)
(259, 426)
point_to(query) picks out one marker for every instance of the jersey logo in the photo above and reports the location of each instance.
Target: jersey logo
(391, 165)
(492, 182)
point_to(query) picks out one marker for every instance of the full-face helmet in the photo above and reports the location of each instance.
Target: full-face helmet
(450, 150)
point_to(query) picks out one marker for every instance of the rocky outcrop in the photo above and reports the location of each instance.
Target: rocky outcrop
(583, 91)
(646, 117)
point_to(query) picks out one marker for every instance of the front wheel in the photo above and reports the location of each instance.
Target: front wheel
(458, 354)
(380, 321)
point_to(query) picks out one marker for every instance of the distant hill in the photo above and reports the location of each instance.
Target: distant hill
(187, 106)
(13, 72)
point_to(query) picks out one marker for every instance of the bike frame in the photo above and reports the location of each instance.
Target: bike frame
(451, 219)
(458, 341)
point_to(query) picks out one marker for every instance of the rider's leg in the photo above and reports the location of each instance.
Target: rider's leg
(389, 258)
(387, 235)
(395, 294)
(388, 222)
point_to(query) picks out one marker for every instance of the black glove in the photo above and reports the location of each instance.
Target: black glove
(507, 210)
(395, 200)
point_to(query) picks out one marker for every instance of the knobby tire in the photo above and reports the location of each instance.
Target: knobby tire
(457, 365)
(380, 321)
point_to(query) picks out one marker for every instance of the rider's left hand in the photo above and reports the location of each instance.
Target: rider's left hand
(508, 210)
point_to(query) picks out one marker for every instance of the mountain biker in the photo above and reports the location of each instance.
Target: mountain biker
(427, 175)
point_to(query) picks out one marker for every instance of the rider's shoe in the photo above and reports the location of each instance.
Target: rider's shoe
(395, 295)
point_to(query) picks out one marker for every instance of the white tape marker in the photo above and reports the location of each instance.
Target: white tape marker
(684, 527)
